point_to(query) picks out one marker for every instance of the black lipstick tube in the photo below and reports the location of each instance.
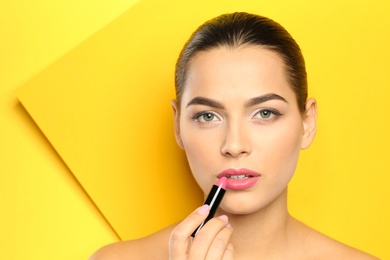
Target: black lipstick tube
(213, 200)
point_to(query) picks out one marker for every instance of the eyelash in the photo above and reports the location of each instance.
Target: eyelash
(197, 117)
(273, 113)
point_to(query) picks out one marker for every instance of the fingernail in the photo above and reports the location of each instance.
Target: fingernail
(223, 217)
(204, 209)
(228, 225)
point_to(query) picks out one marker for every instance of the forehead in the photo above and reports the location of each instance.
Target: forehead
(249, 70)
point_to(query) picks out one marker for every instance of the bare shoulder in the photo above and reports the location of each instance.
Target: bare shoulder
(323, 247)
(154, 246)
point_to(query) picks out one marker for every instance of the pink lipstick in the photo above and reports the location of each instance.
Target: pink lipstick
(213, 200)
(240, 179)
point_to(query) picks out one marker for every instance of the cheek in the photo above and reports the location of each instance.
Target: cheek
(200, 152)
(283, 146)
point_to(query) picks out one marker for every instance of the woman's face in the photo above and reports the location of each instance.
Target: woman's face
(239, 118)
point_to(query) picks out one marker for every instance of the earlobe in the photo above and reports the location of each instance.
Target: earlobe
(309, 123)
(176, 123)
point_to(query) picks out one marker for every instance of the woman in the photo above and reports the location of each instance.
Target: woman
(241, 112)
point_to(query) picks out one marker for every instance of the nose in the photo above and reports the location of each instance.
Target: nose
(236, 142)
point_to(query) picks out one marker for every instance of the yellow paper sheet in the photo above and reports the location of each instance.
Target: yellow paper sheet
(105, 108)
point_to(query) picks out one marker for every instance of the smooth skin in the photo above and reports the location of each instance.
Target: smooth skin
(239, 111)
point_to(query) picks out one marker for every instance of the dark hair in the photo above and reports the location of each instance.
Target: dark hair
(240, 29)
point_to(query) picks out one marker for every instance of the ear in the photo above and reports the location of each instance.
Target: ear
(309, 123)
(176, 123)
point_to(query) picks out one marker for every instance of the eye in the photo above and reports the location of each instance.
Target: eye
(267, 114)
(206, 117)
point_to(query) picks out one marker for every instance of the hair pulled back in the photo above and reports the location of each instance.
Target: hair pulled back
(243, 29)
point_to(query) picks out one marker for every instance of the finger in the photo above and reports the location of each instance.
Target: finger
(204, 239)
(179, 239)
(229, 252)
(220, 243)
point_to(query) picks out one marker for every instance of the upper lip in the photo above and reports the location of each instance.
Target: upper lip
(232, 172)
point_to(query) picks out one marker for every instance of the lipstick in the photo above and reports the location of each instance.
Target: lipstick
(213, 200)
(240, 179)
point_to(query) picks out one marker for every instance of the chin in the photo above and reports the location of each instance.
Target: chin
(239, 208)
(246, 204)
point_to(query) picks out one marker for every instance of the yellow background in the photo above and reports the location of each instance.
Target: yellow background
(104, 109)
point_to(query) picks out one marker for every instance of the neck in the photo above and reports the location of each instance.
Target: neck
(263, 234)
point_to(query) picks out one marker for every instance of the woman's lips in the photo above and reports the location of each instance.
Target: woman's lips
(240, 179)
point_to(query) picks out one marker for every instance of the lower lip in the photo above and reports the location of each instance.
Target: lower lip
(242, 184)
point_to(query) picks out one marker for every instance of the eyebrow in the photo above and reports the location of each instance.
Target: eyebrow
(251, 102)
(261, 99)
(206, 102)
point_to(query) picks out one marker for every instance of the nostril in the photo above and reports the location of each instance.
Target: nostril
(236, 142)
(234, 152)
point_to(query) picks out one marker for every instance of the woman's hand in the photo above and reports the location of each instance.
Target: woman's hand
(211, 242)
